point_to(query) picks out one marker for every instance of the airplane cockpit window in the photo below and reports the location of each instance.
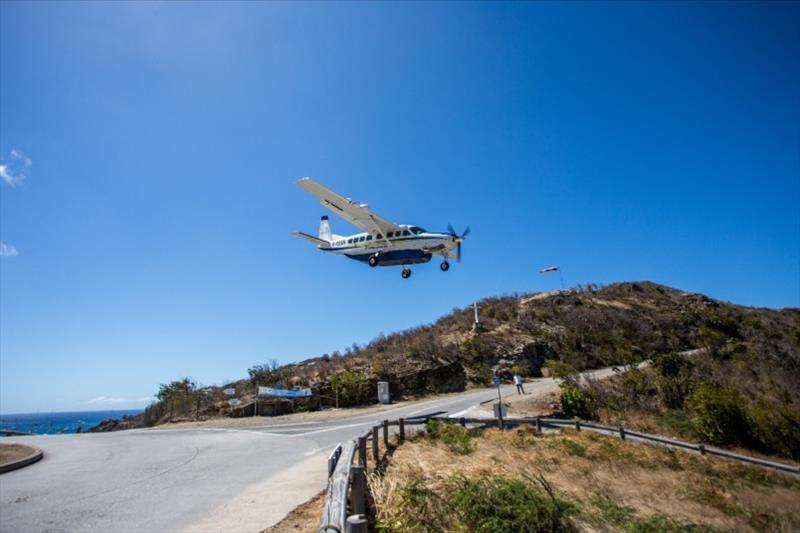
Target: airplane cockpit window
(406, 233)
(416, 230)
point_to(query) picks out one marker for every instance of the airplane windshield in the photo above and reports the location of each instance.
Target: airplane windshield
(416, 230)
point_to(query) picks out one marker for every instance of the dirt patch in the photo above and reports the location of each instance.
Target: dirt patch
(613, 484)
(14, 452)
(303, 518)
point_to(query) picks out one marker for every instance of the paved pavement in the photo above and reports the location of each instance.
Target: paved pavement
(192, 479)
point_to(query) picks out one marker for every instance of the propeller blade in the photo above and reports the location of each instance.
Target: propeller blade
(451, 230)
(466, 232)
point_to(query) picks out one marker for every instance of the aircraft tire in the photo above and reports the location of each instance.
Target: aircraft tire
(373, 261)
(445, 266)
(406, 273)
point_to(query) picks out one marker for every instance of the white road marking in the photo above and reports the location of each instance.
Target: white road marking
(330, 429)
(462, 413)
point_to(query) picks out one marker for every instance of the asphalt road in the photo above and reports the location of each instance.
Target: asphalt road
(191, 479)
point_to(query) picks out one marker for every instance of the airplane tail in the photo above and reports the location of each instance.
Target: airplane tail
(325, 229)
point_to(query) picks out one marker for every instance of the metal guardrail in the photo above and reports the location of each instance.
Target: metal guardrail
(347, 482)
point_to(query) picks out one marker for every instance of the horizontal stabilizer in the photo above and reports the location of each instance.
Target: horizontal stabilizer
(312, 239)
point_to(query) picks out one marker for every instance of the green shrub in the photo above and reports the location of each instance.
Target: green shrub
(776, 429)
(523, 369)
(575, 402)
(717, 415)
(457, 439)
(352, 387)
(490, 504)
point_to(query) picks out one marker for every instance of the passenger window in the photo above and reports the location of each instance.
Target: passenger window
(349, 241)
(369, 237)
(362, 239)
(406, 233)
(390, 234)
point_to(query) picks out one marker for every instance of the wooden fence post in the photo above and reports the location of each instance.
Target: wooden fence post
(375, 455)
(362, 451)
(402, 429)
(463, 422)
(622, 433)
(577, 425)
(702, 449)
(386, 433)
(539, 424)
(358, 498)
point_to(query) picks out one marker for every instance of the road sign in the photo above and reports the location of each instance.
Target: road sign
(500, 410)
(234, 402)
(284, 393)
(496, 380)
(229, 392)
(383, 392)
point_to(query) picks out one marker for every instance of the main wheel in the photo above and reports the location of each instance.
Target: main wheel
(406, 273)
(373, 261)
(445, 266)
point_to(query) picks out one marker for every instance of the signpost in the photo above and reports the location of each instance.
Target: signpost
(499, 407)
(229, 391)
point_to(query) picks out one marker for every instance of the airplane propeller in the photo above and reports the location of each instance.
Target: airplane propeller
(458, 238)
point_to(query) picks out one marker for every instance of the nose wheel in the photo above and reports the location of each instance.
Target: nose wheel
(406, 273)
(445, 266)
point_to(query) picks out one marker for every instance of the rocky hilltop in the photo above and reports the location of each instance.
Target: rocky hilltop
(585, 327)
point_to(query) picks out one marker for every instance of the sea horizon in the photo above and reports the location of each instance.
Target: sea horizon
(61, 422)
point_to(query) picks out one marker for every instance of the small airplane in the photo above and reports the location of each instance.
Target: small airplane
(381, 243)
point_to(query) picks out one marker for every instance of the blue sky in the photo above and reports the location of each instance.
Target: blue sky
(149, 154)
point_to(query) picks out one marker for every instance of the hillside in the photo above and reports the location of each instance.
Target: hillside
(754, 351)
(448, 478)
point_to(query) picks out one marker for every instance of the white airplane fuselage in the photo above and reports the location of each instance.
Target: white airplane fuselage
(410, 245)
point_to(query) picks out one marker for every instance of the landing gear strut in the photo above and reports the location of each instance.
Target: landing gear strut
(406, 273)
(445, 266)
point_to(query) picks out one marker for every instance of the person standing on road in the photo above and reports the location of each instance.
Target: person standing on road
(518, 383)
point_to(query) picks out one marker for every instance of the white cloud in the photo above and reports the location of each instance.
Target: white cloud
(105, 400)
(16, 170)
(7, 251)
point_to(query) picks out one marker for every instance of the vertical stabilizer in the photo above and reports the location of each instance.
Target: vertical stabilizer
(325, 229)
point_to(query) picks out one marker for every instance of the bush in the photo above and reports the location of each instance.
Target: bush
(717, 415)
(776, 429)
(457, 439)
(575, 402)
(490, 504)
(352, 387)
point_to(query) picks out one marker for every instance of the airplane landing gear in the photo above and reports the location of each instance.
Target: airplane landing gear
(445, 266)
(373, 261)
(406, 273)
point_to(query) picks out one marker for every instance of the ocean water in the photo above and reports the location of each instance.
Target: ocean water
(66, 422)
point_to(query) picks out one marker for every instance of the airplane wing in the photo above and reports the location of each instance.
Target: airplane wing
(311, 239)
(356, 214)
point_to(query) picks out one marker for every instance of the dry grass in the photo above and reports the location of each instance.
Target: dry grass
(615, 484)
(14, 452)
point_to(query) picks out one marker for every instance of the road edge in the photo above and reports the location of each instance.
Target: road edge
(37, 454)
